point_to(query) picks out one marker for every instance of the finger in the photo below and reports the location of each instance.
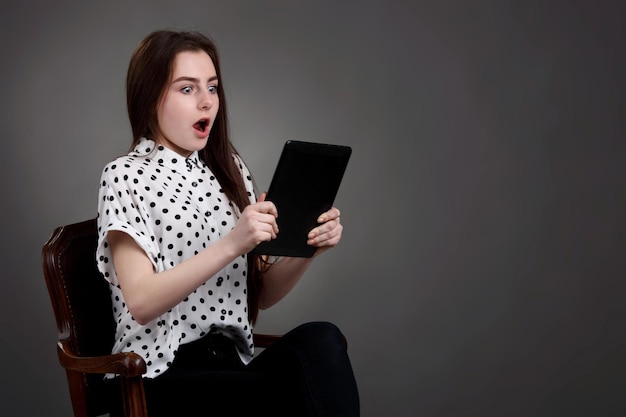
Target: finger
(331, 242)
(331, 214)
(328, 232)
(268, 230)
(269, 219)
(271, 208)
(325, 227)
(262, 197)
(266, 207)
(323, 241)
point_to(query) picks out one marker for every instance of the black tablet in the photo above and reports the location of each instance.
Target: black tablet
(304, 185)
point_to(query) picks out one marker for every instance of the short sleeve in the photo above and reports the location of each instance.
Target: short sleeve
(247, 178)
(120, 208)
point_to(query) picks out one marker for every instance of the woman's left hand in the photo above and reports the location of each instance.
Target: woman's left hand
(328, 234)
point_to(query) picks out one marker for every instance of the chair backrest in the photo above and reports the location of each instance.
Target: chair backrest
(81, 302)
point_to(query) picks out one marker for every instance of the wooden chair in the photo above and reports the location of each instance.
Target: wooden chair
(81, 302)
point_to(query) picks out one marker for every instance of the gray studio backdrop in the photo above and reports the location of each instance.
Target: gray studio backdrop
(481, 272)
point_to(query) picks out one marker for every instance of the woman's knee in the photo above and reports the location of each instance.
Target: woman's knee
(318, 333)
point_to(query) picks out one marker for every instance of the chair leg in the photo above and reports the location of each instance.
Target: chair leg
(134, 397)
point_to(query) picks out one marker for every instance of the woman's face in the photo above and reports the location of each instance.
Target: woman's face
(190, 103)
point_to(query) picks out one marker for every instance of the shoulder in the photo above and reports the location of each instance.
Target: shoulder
(123, 164)
(238, 160)
(127, 171)
(247, 177)
(242, 166)
(139, 157)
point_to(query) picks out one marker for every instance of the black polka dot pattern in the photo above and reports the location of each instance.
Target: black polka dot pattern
(173, 207)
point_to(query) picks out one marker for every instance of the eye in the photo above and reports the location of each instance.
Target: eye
(212, 89)
(186, 90)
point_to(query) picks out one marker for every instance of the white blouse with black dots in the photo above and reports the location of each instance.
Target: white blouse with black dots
(173, 207)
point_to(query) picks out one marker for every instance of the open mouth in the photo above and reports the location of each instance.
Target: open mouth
(201, 125)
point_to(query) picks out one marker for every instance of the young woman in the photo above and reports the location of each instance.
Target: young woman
(177, 218)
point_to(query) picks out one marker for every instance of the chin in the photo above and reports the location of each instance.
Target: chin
(201, 144)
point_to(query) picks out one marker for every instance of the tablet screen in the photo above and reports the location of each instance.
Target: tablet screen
(304, 185)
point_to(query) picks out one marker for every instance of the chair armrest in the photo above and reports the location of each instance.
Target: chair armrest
(264, 340)
(127, 364)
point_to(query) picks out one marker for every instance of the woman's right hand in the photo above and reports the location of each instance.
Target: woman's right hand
(256, 224)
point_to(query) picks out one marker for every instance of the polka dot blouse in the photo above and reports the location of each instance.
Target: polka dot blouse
(173, 207)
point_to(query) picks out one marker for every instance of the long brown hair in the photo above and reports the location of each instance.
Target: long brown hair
(149, 73)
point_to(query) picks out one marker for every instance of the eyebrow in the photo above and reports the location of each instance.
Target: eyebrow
(192, 79)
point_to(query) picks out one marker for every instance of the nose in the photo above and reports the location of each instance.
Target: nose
(207, 100)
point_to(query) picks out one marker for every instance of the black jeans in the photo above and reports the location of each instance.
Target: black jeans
(306, 373)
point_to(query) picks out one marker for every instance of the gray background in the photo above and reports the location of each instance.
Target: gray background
(481, 272)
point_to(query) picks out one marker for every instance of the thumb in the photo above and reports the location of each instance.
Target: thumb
(261, 197)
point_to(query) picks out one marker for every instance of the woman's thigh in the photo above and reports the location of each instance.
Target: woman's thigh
(310, 365)
(207, 393)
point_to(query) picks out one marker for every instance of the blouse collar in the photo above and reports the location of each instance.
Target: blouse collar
(167, 157)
